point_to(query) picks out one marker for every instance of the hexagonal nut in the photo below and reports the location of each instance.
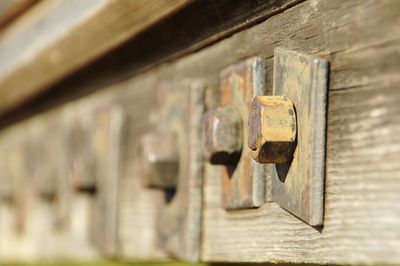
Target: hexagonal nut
(158, 161)
(272, 129)
(223, 136)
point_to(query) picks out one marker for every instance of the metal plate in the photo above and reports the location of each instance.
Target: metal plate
(244, 183)
(298, 186)
(15, 167)
(106, 137)
(181, 111)
(42, 146)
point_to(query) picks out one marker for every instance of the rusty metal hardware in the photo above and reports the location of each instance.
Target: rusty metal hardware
(223, 131)
(81, 165)
(243, 178)
(42, 164)
(159, 160)
(7, 194)
(106, 141)
(105, 138)
(172, 161)
(15, 169)
(272, 129)
(46, 178)
(298, 172)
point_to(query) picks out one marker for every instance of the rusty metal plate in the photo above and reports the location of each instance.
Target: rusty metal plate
(244, 182)
(7, 194)
(180, 114)
(298, 186)
(15, 169)
(42, 149)
(41, 159)
(106, 137)
(79, 160)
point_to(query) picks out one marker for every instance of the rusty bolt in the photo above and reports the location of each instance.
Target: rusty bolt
(223, 136)
(82, 174)
(6, 189)
(158, 161)
(272, 129)
(81, 160)
(46, 182)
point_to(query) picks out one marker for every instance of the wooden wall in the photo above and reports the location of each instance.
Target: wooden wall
(361, 39)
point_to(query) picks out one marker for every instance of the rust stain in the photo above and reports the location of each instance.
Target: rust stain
(237, 90)
(272, 131)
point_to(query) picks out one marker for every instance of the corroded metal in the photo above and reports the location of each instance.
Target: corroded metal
(181, 109)
(244, 180)
(7, 194)
(298, 185)
(272, 129)
(223, 136)
(106, 125)
(158, 157)
(80, 163)
(16, 175)
(42, 161)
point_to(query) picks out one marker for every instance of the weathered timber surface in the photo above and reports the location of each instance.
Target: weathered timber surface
(72, 34)
(10, 9)
(362, 189)
(195, 25)
(29, 229)
(362, 214)
(138, 207)
(34, 227)
(363, 149)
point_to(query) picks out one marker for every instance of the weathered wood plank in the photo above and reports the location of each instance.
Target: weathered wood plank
(362, 189)
(10, 9)
(196, 25)
(71, 34)
(359, 227)
(138, 207)
(361, 213)
(32, 227)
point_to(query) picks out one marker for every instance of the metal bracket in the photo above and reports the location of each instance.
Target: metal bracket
(298, 186)
(176, 149)
(14, 168)
(106, 137)
(244, 182)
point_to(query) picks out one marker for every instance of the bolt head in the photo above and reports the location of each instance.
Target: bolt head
(223, 136)
(6, 188)
(82, 174)
(272, 129)
(158, 161)
(46, 179)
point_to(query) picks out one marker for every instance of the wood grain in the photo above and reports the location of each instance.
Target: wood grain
(71, 34)
(196, 25)
(362, 174)
(362, 214)
(11, 9)
(138, 207)
(32, 228)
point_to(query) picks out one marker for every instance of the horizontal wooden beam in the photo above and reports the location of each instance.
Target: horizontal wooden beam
(196, 25)
(55, 38)
(11, 9)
